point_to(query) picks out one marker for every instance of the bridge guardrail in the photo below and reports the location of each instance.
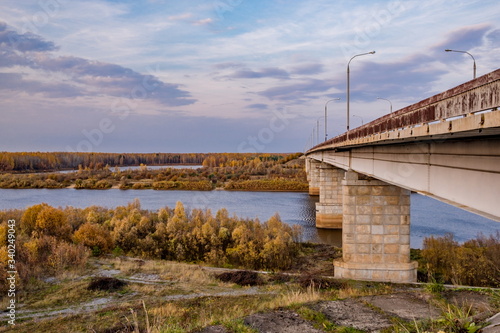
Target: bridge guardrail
(480, 94)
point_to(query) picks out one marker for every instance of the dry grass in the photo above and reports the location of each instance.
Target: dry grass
(361, 289)
(62, 295)
(166, 270)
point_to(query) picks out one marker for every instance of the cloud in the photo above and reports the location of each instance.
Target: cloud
(257, 106)
(23, 42)
(308, 69)
(74, 76)
(464, 38)
(408, 78)
(273, 72)
(226, 65)
(16, 82)
(416, 76)
(180, 17)
(203, 21)
(297, 91)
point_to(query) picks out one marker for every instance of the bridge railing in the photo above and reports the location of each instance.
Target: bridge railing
(473, 96)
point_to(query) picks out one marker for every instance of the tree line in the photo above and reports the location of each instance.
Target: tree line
(53, 161)
(264, 172)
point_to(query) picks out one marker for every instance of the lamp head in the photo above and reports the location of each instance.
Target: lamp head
(448, 50)
(372, 52)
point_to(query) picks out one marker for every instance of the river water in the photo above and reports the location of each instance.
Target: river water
(428, 216)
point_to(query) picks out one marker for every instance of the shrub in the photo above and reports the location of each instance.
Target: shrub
(475, 262)
(95, 237)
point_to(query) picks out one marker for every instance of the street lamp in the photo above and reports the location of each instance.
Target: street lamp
(317, 129)
(334, 99)
(385, 99)
(348, 83)
(359, 118)
(474, 60)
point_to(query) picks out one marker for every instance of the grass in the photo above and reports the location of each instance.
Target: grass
(63, 295)
(357, 289)
(186, 297)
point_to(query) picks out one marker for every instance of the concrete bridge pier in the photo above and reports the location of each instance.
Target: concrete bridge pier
(376, 232)
(313, 177)
(329, 208)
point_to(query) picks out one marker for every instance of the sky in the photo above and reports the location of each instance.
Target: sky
(225, 75)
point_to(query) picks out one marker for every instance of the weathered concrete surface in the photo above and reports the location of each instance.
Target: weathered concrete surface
(408, 306)
(494, 327)
(281, 321)
(313, 176)
(329, 208)
(353, 313)
(358, 312)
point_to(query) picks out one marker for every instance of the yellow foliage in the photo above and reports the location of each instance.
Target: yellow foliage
(93, 235)
(52, 221)
(4, 256)
(28, 220)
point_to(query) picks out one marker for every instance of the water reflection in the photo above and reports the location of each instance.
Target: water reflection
(307, 215)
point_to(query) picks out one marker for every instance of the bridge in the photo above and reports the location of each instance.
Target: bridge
(446, 147)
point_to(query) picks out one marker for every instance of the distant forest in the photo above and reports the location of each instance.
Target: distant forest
(53, 161)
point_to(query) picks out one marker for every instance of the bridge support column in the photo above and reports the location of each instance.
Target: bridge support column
(376, 232)
(312, 167)
(329, 207)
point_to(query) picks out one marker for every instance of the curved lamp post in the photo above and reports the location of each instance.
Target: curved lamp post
(385, 99)
(474, 60)
(362, 123)
(326, 133)
(348, 83)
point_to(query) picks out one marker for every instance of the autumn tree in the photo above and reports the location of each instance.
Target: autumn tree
(95, 237)
(52, 222)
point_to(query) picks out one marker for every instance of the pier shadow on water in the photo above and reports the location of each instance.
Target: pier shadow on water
(308, 223)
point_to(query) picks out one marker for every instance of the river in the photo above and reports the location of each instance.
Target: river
(428, 216)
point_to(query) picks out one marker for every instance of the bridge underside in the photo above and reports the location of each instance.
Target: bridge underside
(464, 173)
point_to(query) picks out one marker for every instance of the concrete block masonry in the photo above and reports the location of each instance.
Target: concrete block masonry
(376, 228)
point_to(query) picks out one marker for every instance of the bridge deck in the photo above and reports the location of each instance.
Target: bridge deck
(447, 147)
